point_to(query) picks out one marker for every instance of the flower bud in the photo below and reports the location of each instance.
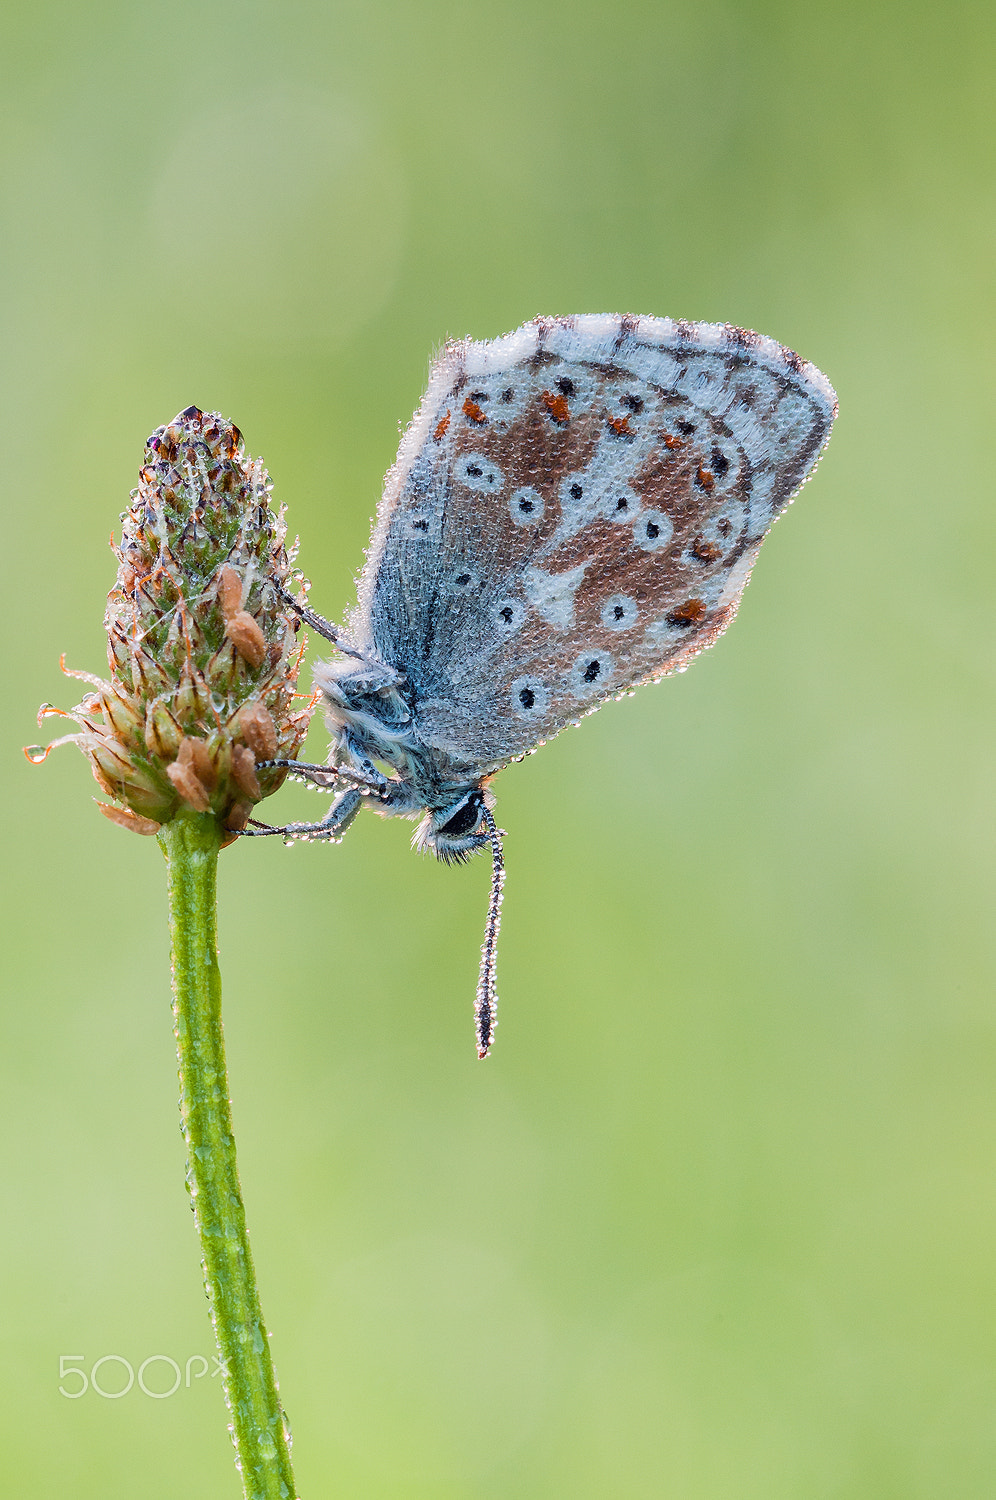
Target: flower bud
(201, 646)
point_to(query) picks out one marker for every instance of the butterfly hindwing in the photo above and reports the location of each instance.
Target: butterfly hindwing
(575, 509)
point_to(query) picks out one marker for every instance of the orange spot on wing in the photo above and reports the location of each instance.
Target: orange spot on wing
(557, 406)
(670, 441)
(620, 426)
(442, 425)
(689, 613)
(706, 552)
(705, 478)
(473, 411)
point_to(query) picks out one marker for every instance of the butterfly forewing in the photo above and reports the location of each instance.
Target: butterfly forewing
(575, 509)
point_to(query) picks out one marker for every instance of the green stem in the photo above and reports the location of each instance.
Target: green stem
(191, 843)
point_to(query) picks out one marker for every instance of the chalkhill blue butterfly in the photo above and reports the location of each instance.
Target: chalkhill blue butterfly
(575, 509)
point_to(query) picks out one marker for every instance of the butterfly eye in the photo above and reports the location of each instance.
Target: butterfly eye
(463, 818)
(591, 672)
(526, 506)
(530, 698)
(653, 529)
(479, 473)
(619, 612)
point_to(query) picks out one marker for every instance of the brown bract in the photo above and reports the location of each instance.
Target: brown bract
(202, 649)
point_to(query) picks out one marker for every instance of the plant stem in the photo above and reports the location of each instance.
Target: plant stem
(190, 843)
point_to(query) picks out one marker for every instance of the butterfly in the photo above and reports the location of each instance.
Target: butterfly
(575, 509)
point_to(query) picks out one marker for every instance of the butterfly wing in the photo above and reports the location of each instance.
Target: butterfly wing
(575, 509)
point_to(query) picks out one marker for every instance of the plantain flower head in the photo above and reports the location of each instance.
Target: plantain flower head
(201, 642)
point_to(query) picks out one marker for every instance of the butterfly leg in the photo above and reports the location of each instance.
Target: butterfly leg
(330, 829)
(365, 777)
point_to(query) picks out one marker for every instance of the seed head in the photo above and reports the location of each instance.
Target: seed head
(201, 643)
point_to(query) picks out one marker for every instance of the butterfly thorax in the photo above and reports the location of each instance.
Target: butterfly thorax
(369, 712)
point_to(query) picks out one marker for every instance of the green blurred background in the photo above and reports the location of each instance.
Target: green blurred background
(717, 1219)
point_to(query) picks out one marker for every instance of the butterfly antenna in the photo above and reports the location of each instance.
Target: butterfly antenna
(486, 1004)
